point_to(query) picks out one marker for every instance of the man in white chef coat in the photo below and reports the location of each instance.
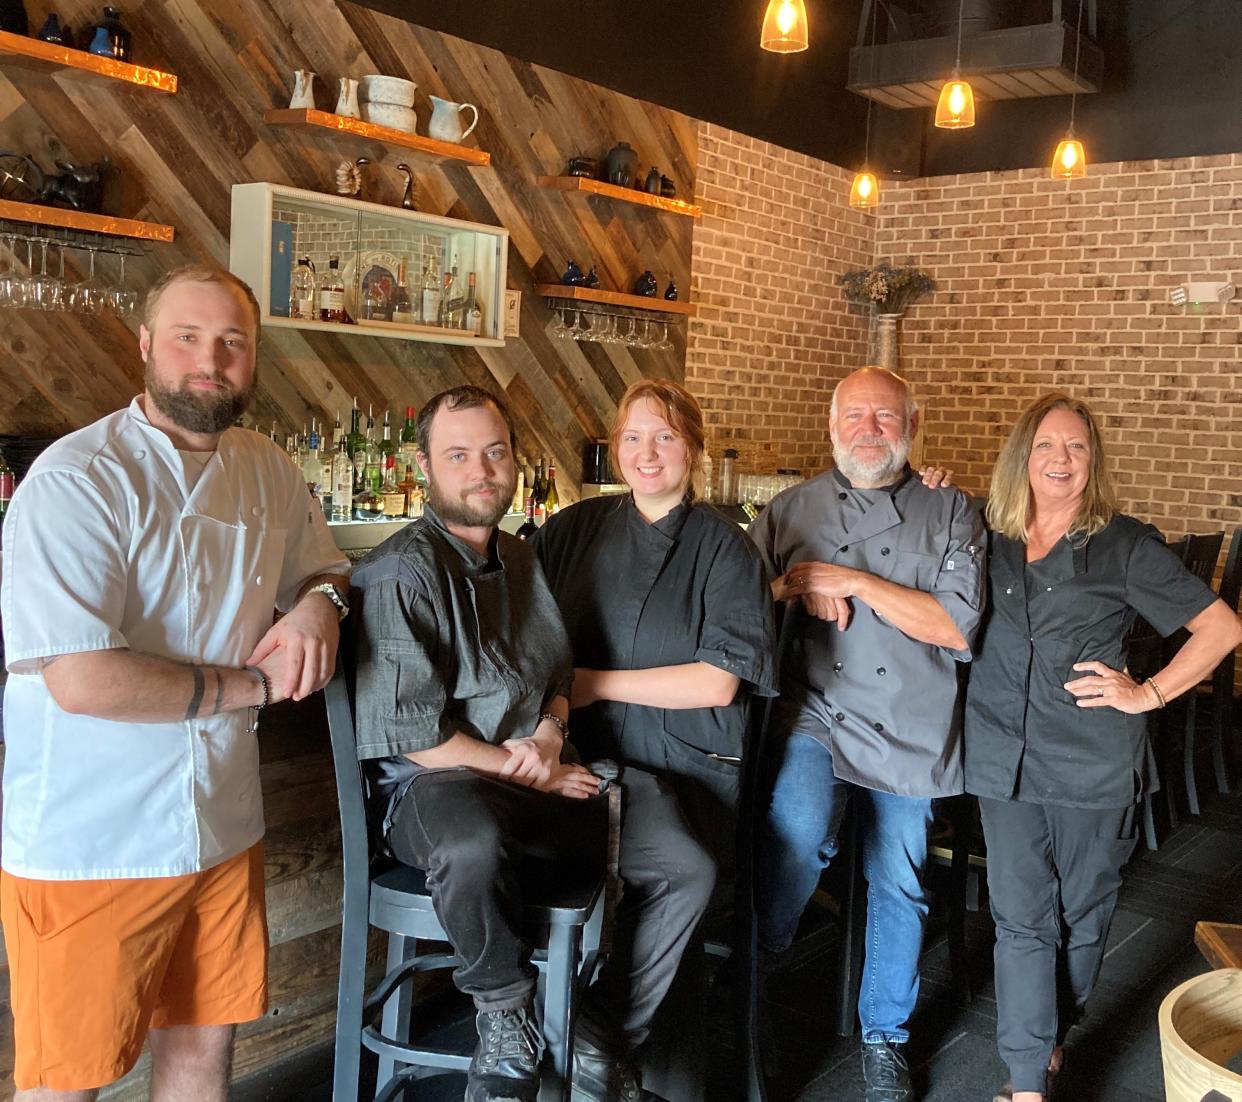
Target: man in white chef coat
(144, 556)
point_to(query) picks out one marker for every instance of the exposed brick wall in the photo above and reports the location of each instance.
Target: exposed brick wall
(772, 330)
(1041, 285)
(1046, 285)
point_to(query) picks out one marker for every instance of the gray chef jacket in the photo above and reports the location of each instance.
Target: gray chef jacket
(886, 702)
(450, 640)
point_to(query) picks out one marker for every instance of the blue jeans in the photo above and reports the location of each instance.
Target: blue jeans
(800, 840)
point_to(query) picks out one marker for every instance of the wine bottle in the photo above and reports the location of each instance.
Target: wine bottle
(472, 312)
(529, 527)
(402, 308)
(409, 438)
(551, 499)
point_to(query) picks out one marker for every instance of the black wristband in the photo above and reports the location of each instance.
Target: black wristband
(556, 721)
(254, 671)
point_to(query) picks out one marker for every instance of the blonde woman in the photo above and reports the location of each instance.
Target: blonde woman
(1056, 743)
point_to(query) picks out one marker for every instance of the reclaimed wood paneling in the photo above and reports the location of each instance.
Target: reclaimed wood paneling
(177, 157)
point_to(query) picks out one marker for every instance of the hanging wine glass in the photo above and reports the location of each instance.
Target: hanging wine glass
(12, 286)
(89, 296)
(121, 299)
(45, 289)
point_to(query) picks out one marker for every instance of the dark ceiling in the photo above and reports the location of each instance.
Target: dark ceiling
(1170, 88)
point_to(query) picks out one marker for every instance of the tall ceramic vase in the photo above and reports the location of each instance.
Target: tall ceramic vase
(882, 343)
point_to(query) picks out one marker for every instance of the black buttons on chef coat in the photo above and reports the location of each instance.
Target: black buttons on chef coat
(881, 671)
(845, 549)
(883, 550)
(836, 667)
(839, 717)
(841, 497)
(879, 727)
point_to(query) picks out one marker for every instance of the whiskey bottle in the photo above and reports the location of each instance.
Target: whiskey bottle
(452, 301)
(332, 293)
(413, 495)
(391, 493)
(431, 293)
(387, 447)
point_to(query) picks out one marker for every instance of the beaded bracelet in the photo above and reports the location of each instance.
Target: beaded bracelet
(557, 722)
(253, 725)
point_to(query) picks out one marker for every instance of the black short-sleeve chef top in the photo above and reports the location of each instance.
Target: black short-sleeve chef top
(637, 595)
(1026, 738)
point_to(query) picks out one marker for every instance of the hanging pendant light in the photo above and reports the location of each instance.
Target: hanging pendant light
(785, 27)
(955, 110)
(1069, 162)
(865, 190)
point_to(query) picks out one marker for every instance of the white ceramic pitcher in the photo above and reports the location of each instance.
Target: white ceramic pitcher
(347, 101)
(445, 124)
(303, 89)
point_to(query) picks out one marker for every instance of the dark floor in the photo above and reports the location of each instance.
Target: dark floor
(1115, 1055)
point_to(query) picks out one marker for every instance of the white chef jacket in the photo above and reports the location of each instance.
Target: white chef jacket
(105, 546)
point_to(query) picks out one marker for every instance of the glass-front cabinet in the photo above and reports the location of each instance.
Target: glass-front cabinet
(326, 262)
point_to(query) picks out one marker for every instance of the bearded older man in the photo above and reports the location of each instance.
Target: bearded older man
(884, 582)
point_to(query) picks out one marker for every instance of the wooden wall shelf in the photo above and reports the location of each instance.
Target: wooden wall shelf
(431, 333)
(624, 194)
(86, 223)
(43, 57)
(306, 117)
(615, 298)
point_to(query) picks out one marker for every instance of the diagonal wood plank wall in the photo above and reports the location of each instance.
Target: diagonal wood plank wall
(177, 159)
(178, 156)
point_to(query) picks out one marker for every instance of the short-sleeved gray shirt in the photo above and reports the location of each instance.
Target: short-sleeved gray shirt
(883, 702)
(448, 640)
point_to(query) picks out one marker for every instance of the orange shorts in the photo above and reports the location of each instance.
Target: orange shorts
(94, 964)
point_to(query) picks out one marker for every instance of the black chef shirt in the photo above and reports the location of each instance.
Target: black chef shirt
(1026, 738)
(637, 595)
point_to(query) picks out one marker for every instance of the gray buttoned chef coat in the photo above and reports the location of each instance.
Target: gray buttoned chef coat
(883, 703)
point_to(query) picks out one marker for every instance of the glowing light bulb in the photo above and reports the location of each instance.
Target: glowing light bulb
(955, 109)
(784, 27)
(786, 17)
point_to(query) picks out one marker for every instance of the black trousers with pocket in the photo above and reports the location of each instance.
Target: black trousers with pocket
(471, 832)
(1053, 876)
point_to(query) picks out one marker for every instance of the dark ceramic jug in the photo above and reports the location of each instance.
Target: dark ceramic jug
(622, 165)
(652, 186)
(646, 285)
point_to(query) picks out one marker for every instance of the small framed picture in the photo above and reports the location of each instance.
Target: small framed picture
(512, 314)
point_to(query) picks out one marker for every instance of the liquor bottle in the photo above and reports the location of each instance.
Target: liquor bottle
(432, 293)
(409, 438)
(7, 485)
(452, 300)
(332, 293)
(302, 291)
(472, 312)
(312, 466)
(413, 495)
(272, 434)
(387, 447)
(368, 505)
(551, 499)
(373, 470)
(402, 307)
(342, 482)
(355, 441)
(541, 481)
(375, 305)
(390, 492)
(529, 527)
(338, 433)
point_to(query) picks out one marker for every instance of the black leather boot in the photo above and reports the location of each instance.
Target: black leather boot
(886, 1072)
(599, 1077)
(505, 1067)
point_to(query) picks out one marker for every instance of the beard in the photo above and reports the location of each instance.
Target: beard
(877, 472)
(196, 411)
(460, 510)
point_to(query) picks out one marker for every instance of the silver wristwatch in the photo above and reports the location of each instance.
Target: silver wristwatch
(334, 595)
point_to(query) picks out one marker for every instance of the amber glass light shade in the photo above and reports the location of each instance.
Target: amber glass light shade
(865, 191)
(1070, 160)
(955, 110)
(785, 27)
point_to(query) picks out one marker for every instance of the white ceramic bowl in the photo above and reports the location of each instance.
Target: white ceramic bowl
(382, 89)
(391, 114)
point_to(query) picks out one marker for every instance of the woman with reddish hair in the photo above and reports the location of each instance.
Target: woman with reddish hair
(670, 619)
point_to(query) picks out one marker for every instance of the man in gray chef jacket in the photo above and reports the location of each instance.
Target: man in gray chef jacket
(884, 580)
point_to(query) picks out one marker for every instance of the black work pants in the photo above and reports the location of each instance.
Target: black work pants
(470, 832)
(1053, 875)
